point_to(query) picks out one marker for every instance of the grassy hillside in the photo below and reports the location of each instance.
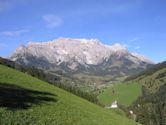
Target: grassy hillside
(124, 93)
(27, 100)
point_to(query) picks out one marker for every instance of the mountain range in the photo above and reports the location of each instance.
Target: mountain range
(87, 56)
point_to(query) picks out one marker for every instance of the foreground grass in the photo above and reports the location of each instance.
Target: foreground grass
(27, 100)
(124, 93)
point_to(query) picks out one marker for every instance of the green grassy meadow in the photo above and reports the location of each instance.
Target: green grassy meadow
(25, 100)
(124, 93)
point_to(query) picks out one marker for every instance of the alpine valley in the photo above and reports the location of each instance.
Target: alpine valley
(101, 76)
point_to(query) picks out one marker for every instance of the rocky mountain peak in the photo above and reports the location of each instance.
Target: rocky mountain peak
(78, 54)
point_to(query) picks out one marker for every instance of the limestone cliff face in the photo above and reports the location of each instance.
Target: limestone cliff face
(80, 55)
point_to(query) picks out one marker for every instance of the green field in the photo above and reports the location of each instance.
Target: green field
(26, 100)
(124, 93)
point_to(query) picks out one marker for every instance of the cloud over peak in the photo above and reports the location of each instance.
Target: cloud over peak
(15, 33)
(52, 21)
(137, 47)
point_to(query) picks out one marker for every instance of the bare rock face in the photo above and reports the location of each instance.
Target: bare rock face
(81, 55)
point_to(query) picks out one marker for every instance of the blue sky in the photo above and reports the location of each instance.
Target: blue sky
(138, 24)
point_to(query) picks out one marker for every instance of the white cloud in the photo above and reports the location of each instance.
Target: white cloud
(137, 47)
(15, 33)
(134, 39)
(52, 21)
(134, 43)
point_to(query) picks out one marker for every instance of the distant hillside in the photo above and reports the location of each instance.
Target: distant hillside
(151, 106)
(149, 71)
(152, 78)
(27, 100)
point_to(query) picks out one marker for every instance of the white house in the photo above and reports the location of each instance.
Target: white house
(113, 105)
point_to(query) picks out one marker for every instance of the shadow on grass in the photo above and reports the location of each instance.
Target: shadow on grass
(14, 97)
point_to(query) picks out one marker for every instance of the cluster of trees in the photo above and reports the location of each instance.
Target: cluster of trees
(88, 96)
(151, 108)
(50, 78)
(161, 75)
